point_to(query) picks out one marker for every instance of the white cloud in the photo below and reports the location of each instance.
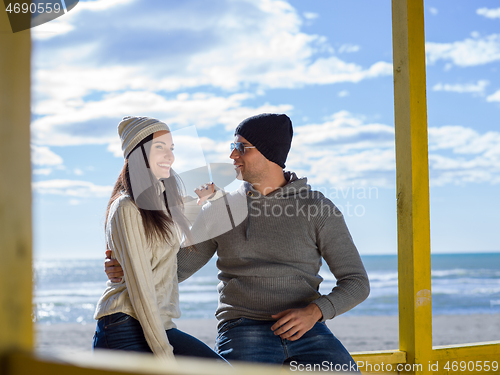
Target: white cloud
(59, 26)
(489, 13)
(433, 11)
(64, 25)
(468, 52)
(461, 155)
(44, 156)
(343, 93)
(42, 171)
(495, 97)
(88, 78)
(72, 83)
(357, 153)
(98, 5)
(461, 177)
(244, 43)
(95, 122)
(348, 48)
(462, 140)
(310, 15)
(476, 88)
(354, 153)
(115, 148)
(72, 188)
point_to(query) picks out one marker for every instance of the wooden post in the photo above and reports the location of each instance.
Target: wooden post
(16, 331)
(412, 176)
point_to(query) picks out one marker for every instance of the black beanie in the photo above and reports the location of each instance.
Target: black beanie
(270, 133)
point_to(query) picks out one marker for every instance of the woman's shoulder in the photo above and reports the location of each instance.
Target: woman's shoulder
(123, 205)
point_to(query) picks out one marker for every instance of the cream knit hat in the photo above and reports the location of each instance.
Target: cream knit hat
(133, 129)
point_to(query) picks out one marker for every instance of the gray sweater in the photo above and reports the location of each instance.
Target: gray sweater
(270, 249)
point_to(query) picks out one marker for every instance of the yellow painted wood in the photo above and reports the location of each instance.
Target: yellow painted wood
(110, 363)
(412, 177)
(380, 362)
(385, 356)
(16, 337)
(466, 359)
(485, 350)
(15, 189)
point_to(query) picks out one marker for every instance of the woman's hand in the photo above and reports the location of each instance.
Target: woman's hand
(204, 192)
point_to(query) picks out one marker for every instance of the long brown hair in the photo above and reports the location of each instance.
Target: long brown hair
(157, 224)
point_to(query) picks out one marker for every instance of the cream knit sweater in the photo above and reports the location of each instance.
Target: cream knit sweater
(149, 290)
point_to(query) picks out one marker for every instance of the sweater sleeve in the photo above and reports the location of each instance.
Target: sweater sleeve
(337, 248)
(129, 247)
(191, 207)
(191, 258)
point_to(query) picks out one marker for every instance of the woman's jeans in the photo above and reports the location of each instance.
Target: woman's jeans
(253, 341)
(122, 332)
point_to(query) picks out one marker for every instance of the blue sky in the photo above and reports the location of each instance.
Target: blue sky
(203, 66)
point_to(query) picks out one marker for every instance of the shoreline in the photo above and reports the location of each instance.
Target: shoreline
(357, 333)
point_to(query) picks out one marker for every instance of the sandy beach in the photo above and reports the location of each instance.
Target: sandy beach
(360, 333)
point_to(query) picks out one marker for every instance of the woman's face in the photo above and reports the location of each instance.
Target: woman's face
(161, 156)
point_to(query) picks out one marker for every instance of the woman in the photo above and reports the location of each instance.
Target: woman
(144, 228)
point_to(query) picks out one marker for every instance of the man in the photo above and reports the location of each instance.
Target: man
(270, 309)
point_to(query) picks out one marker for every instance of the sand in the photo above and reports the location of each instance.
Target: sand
(359, 333)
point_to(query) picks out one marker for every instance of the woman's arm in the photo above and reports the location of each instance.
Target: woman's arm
(129, 246)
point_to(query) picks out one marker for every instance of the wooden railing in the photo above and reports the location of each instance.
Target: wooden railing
(415, 354)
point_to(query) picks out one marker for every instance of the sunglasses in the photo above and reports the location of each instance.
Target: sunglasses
(240, 147)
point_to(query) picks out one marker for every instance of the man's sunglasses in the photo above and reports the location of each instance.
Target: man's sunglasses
(240, 147)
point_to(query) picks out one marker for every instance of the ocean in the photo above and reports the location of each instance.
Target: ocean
(66, 291)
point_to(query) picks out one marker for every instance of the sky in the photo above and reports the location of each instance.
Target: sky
(204, 66)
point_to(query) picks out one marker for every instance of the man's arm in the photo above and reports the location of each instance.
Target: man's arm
(190, 260)
(337, 248)
(112, 268)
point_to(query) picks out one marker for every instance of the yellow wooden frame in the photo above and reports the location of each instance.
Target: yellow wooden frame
(415, 314)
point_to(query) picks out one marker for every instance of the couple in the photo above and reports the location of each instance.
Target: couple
(270, 310)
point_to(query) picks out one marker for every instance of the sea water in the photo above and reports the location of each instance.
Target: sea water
(66, 291)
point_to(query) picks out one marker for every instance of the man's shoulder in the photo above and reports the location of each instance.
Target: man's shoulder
(305, 192)
(316, 203)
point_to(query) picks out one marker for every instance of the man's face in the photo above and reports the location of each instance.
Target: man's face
(252, 166)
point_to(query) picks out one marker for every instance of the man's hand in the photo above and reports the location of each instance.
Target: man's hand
(293, 323)
(204, 192)
(112, 268)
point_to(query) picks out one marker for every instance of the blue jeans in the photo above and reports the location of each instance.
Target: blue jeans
(253, 341)
(122, 332)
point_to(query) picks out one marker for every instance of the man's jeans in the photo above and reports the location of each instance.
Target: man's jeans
(122, 332)
(253, 341)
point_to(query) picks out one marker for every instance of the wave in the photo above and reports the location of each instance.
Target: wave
(67, 291)
(462, 272)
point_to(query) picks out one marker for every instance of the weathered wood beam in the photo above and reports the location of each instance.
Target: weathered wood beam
(412, 178)
(15, 190)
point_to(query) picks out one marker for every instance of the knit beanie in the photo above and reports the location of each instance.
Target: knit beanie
(133, 129)
(270, 133)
